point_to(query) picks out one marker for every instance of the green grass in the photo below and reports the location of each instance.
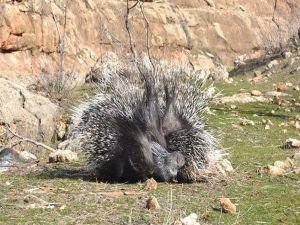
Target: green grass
(260, 200)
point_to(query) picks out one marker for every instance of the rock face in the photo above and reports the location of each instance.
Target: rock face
(29, 114)
(200, 32)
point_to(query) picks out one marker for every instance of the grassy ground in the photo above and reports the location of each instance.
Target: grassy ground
(260, 200)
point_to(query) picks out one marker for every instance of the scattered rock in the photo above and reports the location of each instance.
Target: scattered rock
(275, 171)
(152, 203)
(296, 171)
(282, 87)
(287, 55)
(284, 131)
(256, 78)
(292, 143)
(288, 84)
(233, 106)
(33, 202)
(275, 93)
(224, 166)
(150, 185)
(272, 64)
(227, 206)
(7, 159)
(246, 122)
(297, 88)
(10, 158)
(257, 73)
(242, 98)
(190, 219)
(63, 156)
(284, 164)
(256, 93)
(27, 156)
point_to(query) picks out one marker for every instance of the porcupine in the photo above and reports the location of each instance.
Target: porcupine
(180, 121)
(184, 123)
(122, 133)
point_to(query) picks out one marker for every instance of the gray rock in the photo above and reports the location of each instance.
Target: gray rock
(287, 55)
(272, 64)
(31, 115)
(275, 94)
(27, 156)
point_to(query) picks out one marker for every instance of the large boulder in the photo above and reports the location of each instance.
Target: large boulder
(31, 115)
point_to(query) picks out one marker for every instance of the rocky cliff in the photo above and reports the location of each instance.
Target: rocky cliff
(204, 33)
(200, 32)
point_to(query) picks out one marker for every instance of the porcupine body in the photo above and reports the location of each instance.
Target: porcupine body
(121, 134)
(158, 130)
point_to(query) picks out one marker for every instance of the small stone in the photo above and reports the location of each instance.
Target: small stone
(257, 73)
(296, 171)
(227, 206)
(27, 156)
(275, 93)
(63, 156)
(190, 219)
(284, 164)
(272, 64)
(267, 127)
(284, 131)
(256, 93)
(297, 88)
(150, 185)
(152, 203)
(233, 106)
(287, 55)
(226, 166)
(292, 143)
(282, 87)
(256, 78)
(275, 171)
(246, 122)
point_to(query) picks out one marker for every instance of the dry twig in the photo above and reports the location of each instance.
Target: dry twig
(24, 139)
